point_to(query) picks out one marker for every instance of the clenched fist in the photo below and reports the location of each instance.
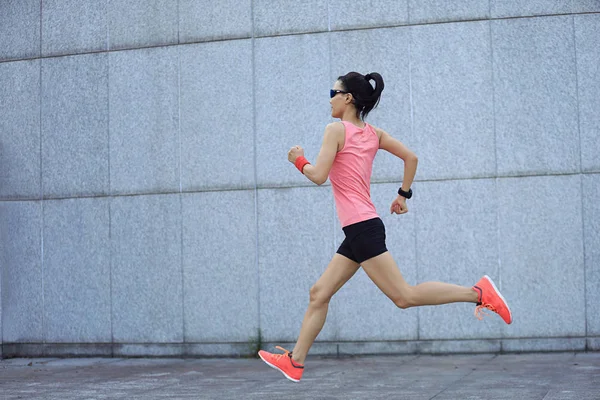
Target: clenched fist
(294, 153)
(399, 206)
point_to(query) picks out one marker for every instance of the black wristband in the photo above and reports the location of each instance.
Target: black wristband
(406, 195)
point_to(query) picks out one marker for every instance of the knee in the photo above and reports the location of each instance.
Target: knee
(404, 300)
(318, 296)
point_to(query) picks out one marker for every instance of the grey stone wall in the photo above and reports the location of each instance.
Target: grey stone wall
(147, 206)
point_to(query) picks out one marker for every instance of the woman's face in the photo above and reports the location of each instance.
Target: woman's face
(338, 101)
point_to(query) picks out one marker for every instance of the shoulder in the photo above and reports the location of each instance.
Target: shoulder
(335, 133)
(335, 127)
(380, 132)
(335, 130)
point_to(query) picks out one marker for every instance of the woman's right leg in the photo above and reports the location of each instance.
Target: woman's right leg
(338, 272)
(384, 272)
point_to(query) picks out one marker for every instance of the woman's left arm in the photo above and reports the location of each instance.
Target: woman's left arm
(319, 172)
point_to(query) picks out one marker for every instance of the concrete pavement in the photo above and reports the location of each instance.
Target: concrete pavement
(550, 376)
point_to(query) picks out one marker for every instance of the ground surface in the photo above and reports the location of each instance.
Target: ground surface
(554, 376)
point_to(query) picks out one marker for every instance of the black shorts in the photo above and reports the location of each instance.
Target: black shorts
(364, 240)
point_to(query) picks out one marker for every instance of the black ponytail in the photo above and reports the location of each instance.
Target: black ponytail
(365, 96)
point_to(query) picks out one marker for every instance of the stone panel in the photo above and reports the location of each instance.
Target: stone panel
(217, 141)
(144, 145)
(75, 125)
(535, 96)
(141, 23)
(428, 11)
(21, 261)
(1, 336)
(580, 6)
(541, 255)
(73, 26)
(273, 17)
(150, 350)
(459, 346)
(219, 350)
(588, 54)
(543, 344)
(452, 97)
(20, 29)
(146, 269)
(20, 130)
(591, 231)
(202, 20)
(516, 8)
(77, 271)
(593, 344)
(352, 14)
(219, 266)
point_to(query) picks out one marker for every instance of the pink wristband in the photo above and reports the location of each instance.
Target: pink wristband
(300, 163)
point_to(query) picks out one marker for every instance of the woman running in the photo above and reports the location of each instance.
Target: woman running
(346, 158)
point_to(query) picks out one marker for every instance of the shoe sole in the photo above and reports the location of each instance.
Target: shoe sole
(278, 369)
(502, 297)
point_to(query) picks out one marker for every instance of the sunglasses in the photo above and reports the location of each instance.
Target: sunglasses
(332, 92)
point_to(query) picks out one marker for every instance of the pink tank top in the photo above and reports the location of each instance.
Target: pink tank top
(350, 175)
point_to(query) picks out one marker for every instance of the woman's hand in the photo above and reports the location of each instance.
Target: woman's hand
(399, 206)
(294, 153)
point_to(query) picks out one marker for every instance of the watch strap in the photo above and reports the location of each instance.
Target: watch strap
(406, 195)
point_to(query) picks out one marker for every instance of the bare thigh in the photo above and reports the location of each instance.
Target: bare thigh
(384, 272)
(337, 273)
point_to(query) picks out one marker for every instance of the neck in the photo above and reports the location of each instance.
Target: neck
(350, 116)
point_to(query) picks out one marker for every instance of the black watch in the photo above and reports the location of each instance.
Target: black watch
(406, 195)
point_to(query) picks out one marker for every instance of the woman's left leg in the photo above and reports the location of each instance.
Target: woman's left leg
(337, 273)
(339, 270)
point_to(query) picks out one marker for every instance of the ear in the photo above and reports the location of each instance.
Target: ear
(349, 98)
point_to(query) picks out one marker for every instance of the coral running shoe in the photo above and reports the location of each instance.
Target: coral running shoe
(284, 363)
(490, 298)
